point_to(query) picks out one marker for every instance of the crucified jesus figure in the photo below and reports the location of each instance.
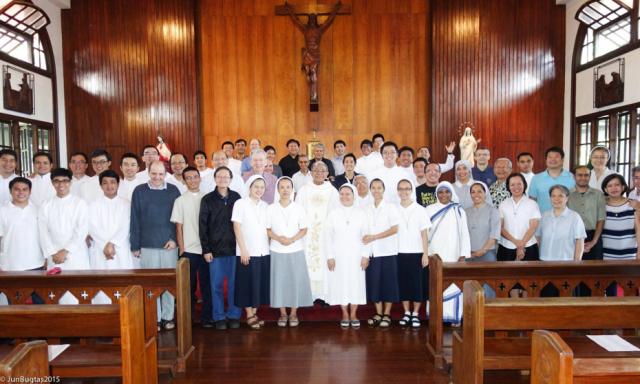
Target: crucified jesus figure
(311, 52)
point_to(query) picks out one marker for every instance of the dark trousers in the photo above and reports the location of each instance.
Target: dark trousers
(596, 251)
(199, 266)
(530, 253)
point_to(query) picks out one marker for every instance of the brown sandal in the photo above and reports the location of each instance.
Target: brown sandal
(253, 322)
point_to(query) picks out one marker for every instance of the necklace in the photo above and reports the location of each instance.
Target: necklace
(406, 219)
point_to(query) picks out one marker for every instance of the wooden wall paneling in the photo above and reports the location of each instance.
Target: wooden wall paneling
(365, 84)
(130, 71)
(500, 65)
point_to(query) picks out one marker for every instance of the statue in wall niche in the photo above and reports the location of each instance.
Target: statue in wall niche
(20, 97)
(312, 32)
(468, 144)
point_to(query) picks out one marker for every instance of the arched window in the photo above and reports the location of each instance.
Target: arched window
(27, 72)
(605, 27)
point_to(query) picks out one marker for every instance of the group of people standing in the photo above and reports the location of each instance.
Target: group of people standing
(345, 231)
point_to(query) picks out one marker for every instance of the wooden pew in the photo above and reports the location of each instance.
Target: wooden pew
(531, 275)
(134, 359)
(29, 359)
(553, 361)
(85, 284)
(473, 353)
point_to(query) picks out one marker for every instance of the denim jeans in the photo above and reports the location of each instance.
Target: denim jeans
(219, 268)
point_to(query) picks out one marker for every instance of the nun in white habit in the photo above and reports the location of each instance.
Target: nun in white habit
(449, 238)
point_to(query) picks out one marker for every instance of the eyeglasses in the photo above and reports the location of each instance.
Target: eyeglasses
(404, 189)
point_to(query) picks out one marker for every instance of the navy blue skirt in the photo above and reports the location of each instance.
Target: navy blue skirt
(382, 279)
(412, 285)
(252, 282)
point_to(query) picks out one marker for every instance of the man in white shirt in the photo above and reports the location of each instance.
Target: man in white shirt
(525, 166)
(368, 162)
(109, 226)
(447, 165)
(220, 159)
(240, 149)
(19, 241)
(178, 162)
(129, 165)
(405, 160)
(185, 215)
(41, 187)
(8, 161)
(63, 223)
(339, 148)
(390, 173)
(100, 162)
(78, 163)
(149, 155)
(303, 176)
(233, 164)
(200, 162)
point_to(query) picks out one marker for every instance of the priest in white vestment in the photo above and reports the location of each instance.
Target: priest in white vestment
(78, 163)
(317, 198)
(8, 161)
(129, 165)
(109, 226)
(100, 162)
(63, 222)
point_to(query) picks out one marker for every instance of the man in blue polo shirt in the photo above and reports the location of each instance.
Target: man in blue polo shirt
(554, 174)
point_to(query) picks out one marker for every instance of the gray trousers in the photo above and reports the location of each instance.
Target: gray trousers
(152, 258)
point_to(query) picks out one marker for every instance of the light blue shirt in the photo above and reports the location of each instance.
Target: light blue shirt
(558, 235)
(542, 182)
(246, 165)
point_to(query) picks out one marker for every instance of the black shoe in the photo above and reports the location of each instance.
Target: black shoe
(207, 324)
(221, 325)
(234, 323)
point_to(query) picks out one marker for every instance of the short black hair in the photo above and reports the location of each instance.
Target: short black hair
(554, 149)
(339, 142)
(351, 155)
(241, 141)
(109, 173)
(190, 169)
(269, 147)
(198, 152)
(420, 160)
(293, 141)
(516, 174)
(130, 155)
(366, 142)
(406, 148)
(84, 155)
(389, 144)
(377, 135)
(45, 154)
(620, 179)
(100, 152)
(10, 152)
(64, 172)
(225, 143)
(223, 168)
(149, 146)
(521, 154)
(575, 169)
(20, 179)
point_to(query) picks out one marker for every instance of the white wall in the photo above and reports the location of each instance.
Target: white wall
(52, 9)
(584, 85)
(43, 108)
(584, 79)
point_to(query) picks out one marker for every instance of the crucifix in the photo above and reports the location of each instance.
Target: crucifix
(312, 32)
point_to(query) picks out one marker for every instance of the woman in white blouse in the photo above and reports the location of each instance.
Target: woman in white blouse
(519, 218)
(382, 274)
(413, 254)
(249, 219)
(286, 227)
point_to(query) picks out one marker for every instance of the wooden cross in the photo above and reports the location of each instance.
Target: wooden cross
(312, 32)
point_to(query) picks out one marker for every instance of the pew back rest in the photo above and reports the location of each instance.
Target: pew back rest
(29, 359)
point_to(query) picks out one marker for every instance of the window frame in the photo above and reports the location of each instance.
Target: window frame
(14, 123)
